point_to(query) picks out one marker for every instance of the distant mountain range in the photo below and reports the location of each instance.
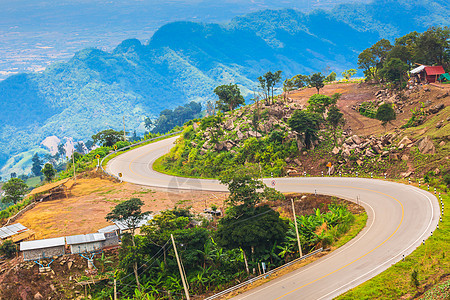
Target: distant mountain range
(185, 61)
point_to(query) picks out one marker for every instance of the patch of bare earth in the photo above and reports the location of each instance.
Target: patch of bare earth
(90, 200)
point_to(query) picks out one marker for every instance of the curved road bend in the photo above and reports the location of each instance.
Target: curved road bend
(400, 217)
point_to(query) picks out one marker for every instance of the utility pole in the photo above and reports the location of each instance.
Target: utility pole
(180, 268)
(296, 229)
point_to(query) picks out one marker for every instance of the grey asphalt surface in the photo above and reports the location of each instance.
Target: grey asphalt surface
(400, 217)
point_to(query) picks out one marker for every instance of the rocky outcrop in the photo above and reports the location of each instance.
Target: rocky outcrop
(426, 146)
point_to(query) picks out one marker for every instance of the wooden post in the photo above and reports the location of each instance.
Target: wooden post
(296, 229)
(179, 267)
(115, 287)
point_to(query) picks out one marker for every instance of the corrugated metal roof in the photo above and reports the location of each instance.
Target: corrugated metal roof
(85, 238)
(436, 70)
(123, 225)
(41, 244)
(417, 70)
(109, 228)
(11, 230)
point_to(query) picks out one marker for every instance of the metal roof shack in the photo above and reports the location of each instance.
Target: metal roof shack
(433, 73)
(10, 230)
(46, 248)
(16, 233)
(84, 243)
(122, 225)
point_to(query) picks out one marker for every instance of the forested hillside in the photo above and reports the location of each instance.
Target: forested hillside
(185, 61)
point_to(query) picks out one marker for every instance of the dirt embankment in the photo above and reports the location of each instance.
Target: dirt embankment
(90, 200)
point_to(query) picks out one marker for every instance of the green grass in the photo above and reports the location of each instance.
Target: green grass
(33, 181)
(158, 166)
(430, 260)
(357, 226)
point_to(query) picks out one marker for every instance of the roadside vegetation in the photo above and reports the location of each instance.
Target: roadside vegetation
(221, 252)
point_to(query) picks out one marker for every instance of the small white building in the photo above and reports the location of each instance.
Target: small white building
(40, 249)
(84, 243)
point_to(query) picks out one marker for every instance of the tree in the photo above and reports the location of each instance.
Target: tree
(385, 113)
(300, 81)
(394, 71)
(367, 62)
(331, 77)
(319, 103)
(288, 85)
(268, 82)
(79, 147)
(433, 47)
(229, 97)
(8, 249)
(334, 119)
(14, 190)
(148, 124)
(61, 150)
(347, 74)
(254, 231)
(129, 212)
(89, 145)
(13, 174)
(48, 171)
(107, 137)
(37, 165)
(307, 123)
(316, 80)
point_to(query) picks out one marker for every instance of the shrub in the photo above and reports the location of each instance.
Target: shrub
(8, 249)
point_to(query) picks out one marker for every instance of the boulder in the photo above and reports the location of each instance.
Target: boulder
(405, 141)
(369, 153)
(359, 162)
(254, 134)
(38, 296)
(405, 157)
(401, 147)
(346, 153)
(349, 140)
(442, 144)
(406, 174)
(426, 146)
(356, 139)
(229, 125)
(436, 108)
(442, 96)
(439, 124)
(297, 162)
(240, 136)
(393, 156)
(335, 151)
(385, 153)
(437, 171)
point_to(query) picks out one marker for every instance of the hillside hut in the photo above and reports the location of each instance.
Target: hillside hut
(16, 233)
(433, 73)
(40, 249)
(54, 190)
(111, 236)
(428, 74)
(85, 243)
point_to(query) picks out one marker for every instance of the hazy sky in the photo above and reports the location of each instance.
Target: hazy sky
(36, 33)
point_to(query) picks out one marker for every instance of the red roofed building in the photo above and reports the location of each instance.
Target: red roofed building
(433, 73)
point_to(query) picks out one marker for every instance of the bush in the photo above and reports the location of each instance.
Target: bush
(447, 180)
(8, 249)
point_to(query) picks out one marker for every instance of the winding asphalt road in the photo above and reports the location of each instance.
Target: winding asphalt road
(400, 217)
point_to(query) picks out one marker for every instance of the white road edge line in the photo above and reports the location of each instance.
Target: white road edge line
(389, 260)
